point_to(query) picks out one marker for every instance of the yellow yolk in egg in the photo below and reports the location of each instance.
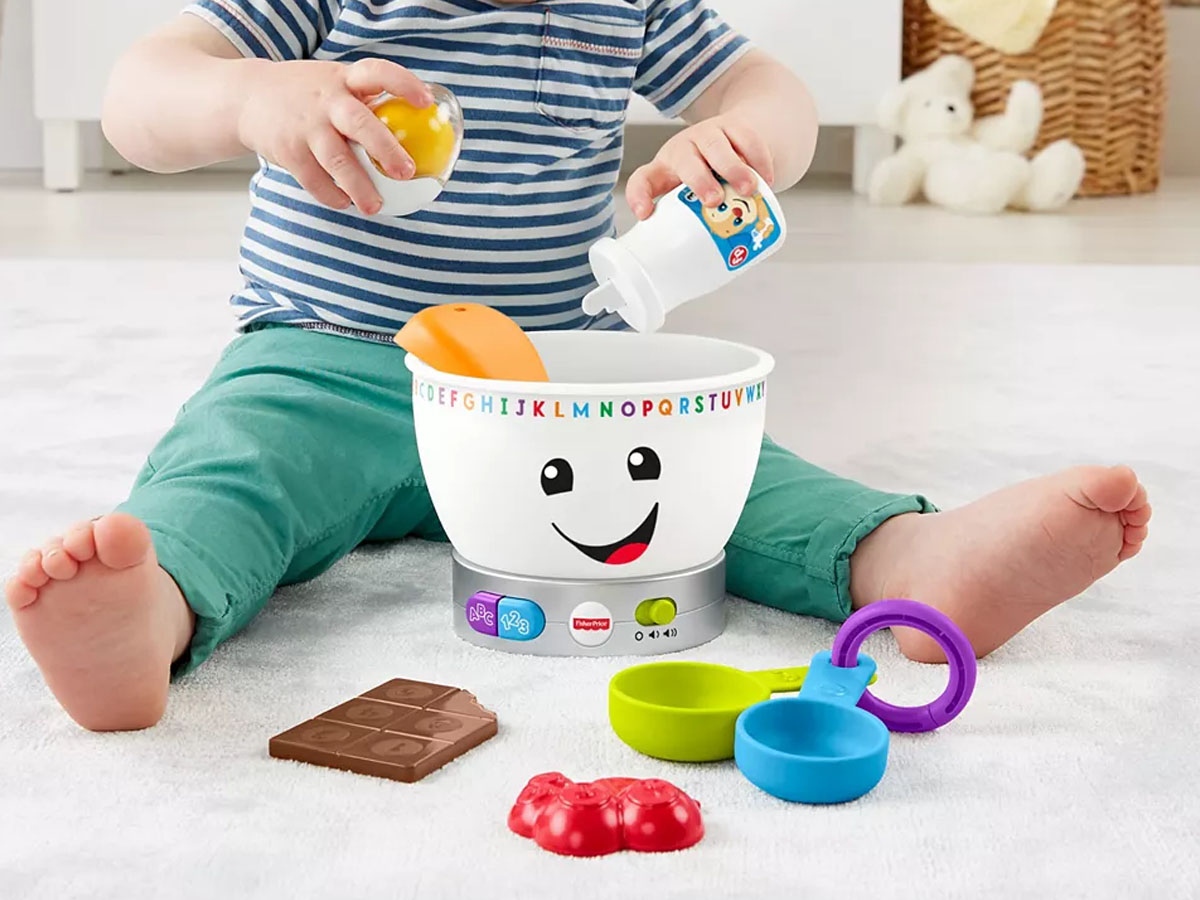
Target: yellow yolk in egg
(427, 134)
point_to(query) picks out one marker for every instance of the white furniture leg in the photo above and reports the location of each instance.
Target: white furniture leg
(62, 154)
(871, 144)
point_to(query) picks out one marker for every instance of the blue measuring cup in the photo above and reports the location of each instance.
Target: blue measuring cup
(829, 744)
(819, 746)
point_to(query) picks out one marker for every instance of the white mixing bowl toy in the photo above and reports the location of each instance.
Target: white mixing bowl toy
(682, 251)
(589, 480)
(431, 136)
(589, 513)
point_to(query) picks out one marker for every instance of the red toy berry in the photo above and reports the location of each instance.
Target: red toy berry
(606, 815)
(658, 816)
(583, 820)
(616, 786)
(533, 799)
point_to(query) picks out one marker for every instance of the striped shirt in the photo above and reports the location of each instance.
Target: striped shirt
(544, 89)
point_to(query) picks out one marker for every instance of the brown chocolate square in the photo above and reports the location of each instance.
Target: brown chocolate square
(401, 730)
(410, 693)
(400, 757)
(317, 741)
(368, 713)
(436, 723)
(463, 703)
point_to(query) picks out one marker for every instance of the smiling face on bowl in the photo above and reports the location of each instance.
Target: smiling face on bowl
(590, 499)
(578, 524)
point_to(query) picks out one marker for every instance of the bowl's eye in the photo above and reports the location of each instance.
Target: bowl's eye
(723, 207)
(644, 464)
(557, 477)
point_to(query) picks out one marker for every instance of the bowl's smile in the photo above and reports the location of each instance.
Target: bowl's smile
(622, 551)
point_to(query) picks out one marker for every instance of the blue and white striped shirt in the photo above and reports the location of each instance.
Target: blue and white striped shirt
(544, 89)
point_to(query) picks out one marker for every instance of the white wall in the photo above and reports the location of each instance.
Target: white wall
(20, 146)
(1181, 151)
(20, 137)
(20, 133)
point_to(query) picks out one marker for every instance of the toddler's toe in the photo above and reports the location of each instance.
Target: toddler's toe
(1133, 538)
(1136, 535)
(18, 594)
(1137, 517)
(121, 540)
(1106, 488)
(80, 542)
(1139, 510)
(30, 570)
(57, 562)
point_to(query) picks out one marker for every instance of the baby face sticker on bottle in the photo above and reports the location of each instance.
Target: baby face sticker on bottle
(742, 227)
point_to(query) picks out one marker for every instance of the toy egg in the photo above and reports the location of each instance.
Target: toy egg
(432, 137)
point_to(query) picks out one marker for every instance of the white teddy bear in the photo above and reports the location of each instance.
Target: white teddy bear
(971, 168)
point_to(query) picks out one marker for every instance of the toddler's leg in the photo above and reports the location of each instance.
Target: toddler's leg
(283, 462)
(793, 544)
(811, 542)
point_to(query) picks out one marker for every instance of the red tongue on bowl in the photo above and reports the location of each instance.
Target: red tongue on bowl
(626, 553)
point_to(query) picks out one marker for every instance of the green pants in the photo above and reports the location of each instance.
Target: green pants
(300, 446)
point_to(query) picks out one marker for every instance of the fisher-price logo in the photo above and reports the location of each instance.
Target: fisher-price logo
(580, 623)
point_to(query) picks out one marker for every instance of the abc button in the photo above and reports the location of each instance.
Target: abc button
(519, 620)
(591, 624)
(481, 612)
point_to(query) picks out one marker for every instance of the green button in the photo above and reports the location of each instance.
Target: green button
(659, 611)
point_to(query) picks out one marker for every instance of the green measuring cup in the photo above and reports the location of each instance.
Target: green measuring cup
(686, 711)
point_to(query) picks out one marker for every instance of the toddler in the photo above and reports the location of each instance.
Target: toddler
(300, 445)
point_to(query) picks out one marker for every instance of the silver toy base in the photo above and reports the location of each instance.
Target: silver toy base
(591, 618)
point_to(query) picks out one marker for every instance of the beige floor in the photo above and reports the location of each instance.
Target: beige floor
(200, 216)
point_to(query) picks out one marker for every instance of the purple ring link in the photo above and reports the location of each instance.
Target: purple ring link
(959, 654)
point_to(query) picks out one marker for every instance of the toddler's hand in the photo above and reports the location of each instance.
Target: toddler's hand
(721, 144)
(299, 116)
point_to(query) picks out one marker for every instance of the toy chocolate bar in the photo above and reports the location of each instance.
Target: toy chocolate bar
(401, 730)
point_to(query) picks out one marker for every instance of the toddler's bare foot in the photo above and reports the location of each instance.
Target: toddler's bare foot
(997, 564)
(102, 621)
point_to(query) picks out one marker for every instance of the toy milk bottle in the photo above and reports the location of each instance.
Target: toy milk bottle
(682, 251)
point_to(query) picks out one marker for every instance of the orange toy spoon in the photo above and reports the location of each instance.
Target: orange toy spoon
(473, 340)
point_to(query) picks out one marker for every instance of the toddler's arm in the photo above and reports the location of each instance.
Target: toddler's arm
(759, 112)
(185, 97)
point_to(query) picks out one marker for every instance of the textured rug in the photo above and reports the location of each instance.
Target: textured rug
(1073, 773)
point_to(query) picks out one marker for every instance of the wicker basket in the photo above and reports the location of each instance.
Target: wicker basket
(1101, 67)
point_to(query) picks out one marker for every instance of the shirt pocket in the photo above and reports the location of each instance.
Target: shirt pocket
(586, 71)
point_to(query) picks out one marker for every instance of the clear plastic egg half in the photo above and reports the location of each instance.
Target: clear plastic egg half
(432, 137)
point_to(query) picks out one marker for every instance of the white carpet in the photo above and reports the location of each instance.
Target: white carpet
(1073, 773)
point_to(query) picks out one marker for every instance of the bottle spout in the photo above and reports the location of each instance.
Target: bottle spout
(603, 298)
